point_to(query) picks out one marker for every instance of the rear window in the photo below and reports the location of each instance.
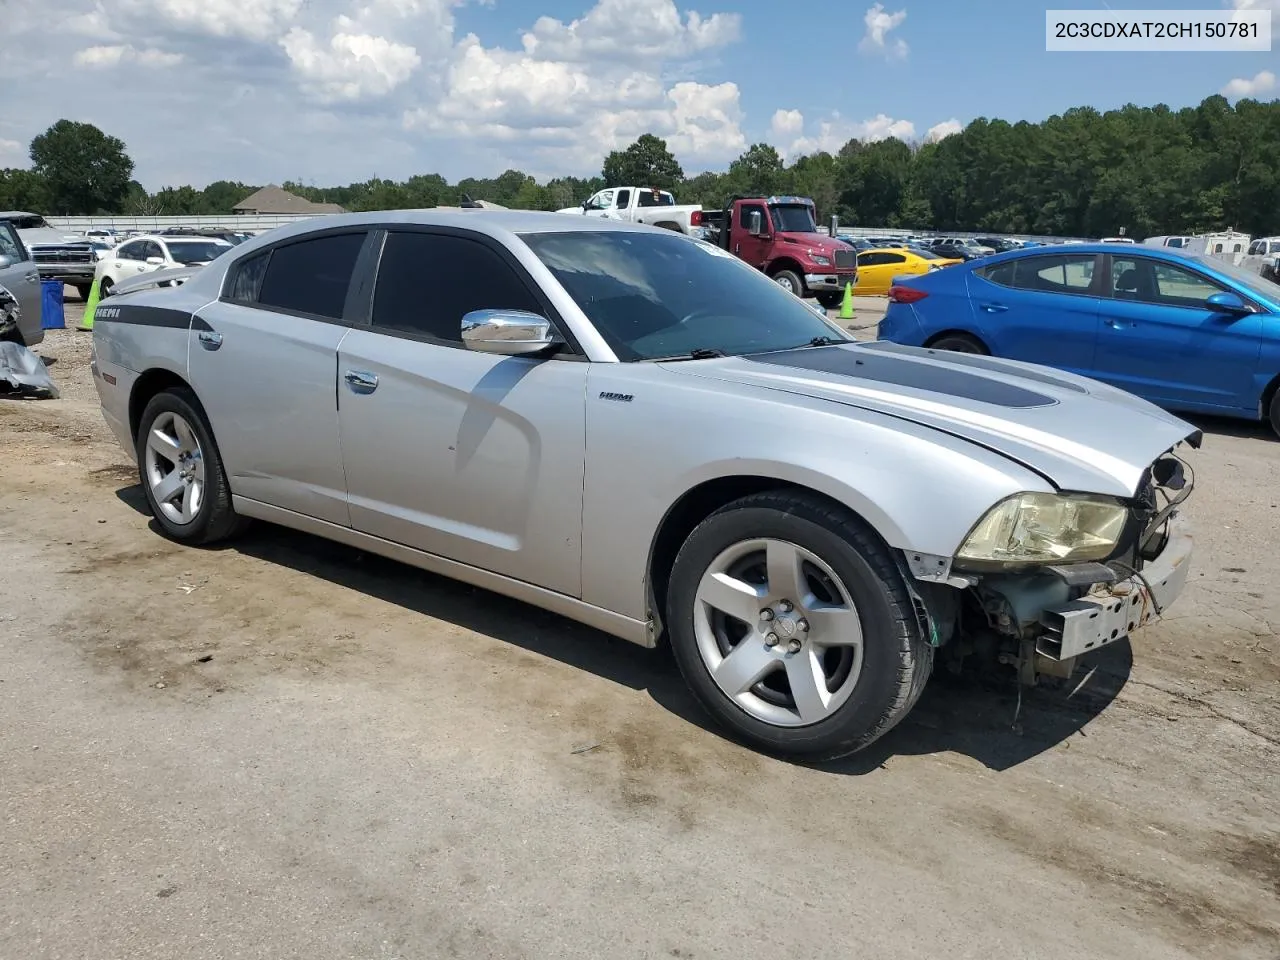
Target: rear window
(311, 276)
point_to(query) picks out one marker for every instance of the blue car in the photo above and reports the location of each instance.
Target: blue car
(1189, 333)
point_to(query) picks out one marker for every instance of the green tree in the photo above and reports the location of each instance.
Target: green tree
(23, 190)
(646, 163)
(758, 171)
(85, 170)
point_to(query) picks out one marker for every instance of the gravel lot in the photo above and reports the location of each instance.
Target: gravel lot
(288, 749)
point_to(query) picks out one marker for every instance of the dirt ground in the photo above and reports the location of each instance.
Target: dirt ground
(285, 748)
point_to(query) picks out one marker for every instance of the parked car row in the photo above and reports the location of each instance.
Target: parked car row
(1189, 332)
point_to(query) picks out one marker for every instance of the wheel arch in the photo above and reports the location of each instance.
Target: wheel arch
(694, 506)
(1268, 394)
(957, 332)
(669, 225)
(785, 263)
(153, 381)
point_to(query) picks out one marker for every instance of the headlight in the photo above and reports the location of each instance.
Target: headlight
(1044, 528)
(820, 260)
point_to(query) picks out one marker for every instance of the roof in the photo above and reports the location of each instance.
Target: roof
(496, 223)
(273, 199)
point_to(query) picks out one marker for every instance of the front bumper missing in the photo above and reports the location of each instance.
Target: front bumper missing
(1113, 611)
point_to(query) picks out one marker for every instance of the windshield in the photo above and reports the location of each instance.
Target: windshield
(196, 251)
(1254, 281)
(656, 296)
(30, 223)
(793, 218)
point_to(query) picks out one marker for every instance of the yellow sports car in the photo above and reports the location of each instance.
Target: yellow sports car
(877, 268)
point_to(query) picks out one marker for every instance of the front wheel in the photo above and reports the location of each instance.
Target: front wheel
(1274, 416)
(960, 343)
(789, 280)
(83, 290)
(791, 623)
(104, 288)
(830, 301)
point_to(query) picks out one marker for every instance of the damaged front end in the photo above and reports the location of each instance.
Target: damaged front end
(1046, 579)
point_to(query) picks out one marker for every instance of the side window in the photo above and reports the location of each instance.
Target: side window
(471, 277)
(130, 251)
(1160, 283)
(10, 244)
(894, 258)
(744, 214)
(1001, 273)
(1058, 274)
(1255, 248)
(311, 276)
(151, 249)
(246, 278)
(624, 199)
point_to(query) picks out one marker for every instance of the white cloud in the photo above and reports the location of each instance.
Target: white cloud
(879, 25)
(940, 131)
(786, 123)
(834, 133)
(115, 54)
(12, 154)
(1262, 82)
(1272, 5)
(634, 30)
(354, 66)
(332, 91)
(260, 20)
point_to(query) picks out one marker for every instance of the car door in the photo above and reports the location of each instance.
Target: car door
(875, 270)
(263, 359)
(600, 205)
(752, 249)
(621, 205)
(1041, 309)
(20, 276)
(129, 259)
(1161, 340)
(466, 455)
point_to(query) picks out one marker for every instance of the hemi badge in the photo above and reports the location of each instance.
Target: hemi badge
(109, 379)
(620, 397)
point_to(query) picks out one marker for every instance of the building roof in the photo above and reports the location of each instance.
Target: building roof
(273, 199)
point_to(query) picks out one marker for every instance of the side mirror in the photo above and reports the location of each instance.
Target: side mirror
(156, 261)
(5, 261)
(755, 223)
(508, 333)
(1228, 303)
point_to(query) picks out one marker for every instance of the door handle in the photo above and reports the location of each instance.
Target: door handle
(993, 307)
(33, 276)
(1118, 324)
(361, 382)
(209, 339)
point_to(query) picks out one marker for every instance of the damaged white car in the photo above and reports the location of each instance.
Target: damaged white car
(643, 433)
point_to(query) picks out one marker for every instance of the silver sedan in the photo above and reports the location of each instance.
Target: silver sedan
(641, 432)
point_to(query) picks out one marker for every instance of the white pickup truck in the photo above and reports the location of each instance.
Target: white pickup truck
(641, 205)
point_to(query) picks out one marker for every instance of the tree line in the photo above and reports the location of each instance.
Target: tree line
(1150, 170)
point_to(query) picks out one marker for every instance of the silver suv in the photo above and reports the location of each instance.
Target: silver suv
(641, 432)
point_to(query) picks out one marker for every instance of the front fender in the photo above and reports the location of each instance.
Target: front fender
(921, 490)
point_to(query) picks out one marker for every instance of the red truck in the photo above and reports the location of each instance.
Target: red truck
(779, 235)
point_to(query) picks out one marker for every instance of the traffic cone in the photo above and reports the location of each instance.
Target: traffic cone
(846, 305)
(90, 307)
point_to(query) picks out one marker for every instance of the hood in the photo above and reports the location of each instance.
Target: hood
(819, 242)
(1078, 434)
(47, 236)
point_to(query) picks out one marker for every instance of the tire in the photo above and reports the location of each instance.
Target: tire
(105, 288)
(83, 289)
(869, 686)
(205, 515)
(790, 280)
(960, 343)
(1274, 414)
(830, 301)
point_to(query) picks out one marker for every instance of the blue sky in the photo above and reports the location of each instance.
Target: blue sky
(334, 91)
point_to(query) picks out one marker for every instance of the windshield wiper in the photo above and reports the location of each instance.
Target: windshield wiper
(823, 341)
(697, 353)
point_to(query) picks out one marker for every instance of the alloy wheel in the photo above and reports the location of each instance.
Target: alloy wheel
(778, 632)
(174, 465)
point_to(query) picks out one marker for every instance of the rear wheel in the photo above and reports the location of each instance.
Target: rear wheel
(1274, 416)
(104, 288)
(960, 343)
(181, 471)
(792, 625)
(789, 280)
